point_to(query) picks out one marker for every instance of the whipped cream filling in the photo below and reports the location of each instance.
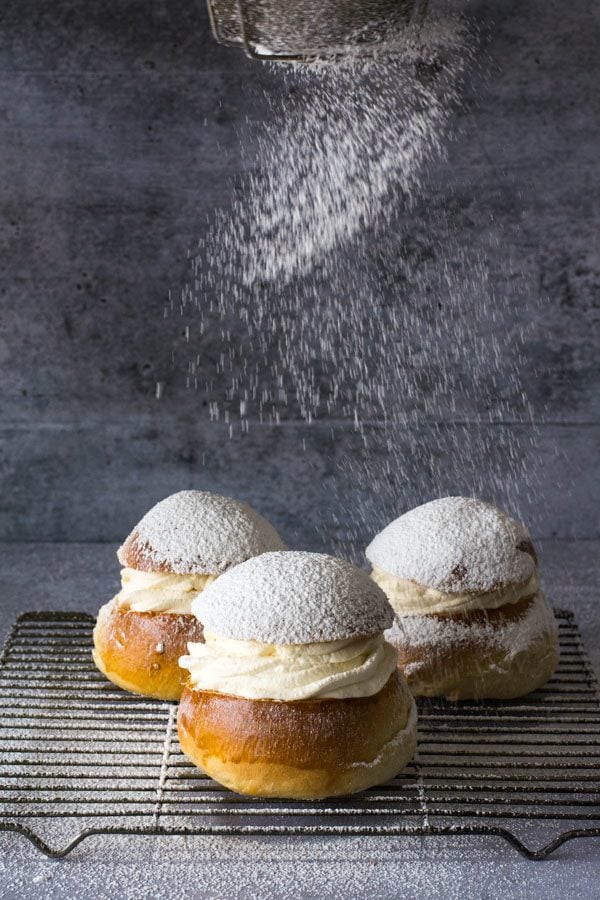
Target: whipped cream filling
(355, 667)
(411, 599)
(160, 591)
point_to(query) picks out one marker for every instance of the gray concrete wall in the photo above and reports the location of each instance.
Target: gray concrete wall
(119, 134)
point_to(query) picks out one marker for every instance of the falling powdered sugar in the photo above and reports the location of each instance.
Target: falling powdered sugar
(337, 159)
(345, 148)
(334, 287)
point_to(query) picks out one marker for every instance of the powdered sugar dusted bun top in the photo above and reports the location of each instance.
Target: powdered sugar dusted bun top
(197, 532)
(456, 545)
(293, 598)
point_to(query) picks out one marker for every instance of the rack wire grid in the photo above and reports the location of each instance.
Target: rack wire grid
(81, 757)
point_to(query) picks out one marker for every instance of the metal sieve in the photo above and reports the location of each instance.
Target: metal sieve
(310, 30)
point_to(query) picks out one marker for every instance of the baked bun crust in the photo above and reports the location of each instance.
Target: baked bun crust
(140, 652)
(306, 749)
(135, 555)
(478, 655)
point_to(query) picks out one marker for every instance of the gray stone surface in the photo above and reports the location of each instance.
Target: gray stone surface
(120, 127)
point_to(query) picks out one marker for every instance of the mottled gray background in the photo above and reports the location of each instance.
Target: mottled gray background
(120, 129)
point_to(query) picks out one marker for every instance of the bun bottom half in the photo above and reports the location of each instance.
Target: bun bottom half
(307, 749)
(487, 659)
(140, 652)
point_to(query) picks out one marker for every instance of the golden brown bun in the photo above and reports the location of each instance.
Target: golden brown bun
(140, 651)
(478, 668)
(135, 554)
(306, 749)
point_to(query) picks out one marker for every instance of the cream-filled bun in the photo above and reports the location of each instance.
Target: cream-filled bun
(181, 545)
(471, 621)
(295, 693)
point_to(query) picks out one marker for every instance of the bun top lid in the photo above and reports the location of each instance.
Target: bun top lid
(456, 545)
(293, 598)
(197, 532)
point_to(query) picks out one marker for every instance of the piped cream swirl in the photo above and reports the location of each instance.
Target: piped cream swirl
(411, 599)
(355, 667)
(160, 591)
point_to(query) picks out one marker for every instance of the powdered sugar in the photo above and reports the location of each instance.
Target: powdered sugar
(293, 598)
(455, 544)
(447, 634)
(340, 156)
(203, 533)
(287, 274)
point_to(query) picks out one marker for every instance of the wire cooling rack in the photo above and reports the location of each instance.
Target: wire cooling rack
(79, 757)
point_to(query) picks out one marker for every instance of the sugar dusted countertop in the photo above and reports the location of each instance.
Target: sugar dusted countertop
(81, 577)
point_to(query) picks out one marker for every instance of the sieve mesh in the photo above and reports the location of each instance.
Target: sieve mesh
(313, 29)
